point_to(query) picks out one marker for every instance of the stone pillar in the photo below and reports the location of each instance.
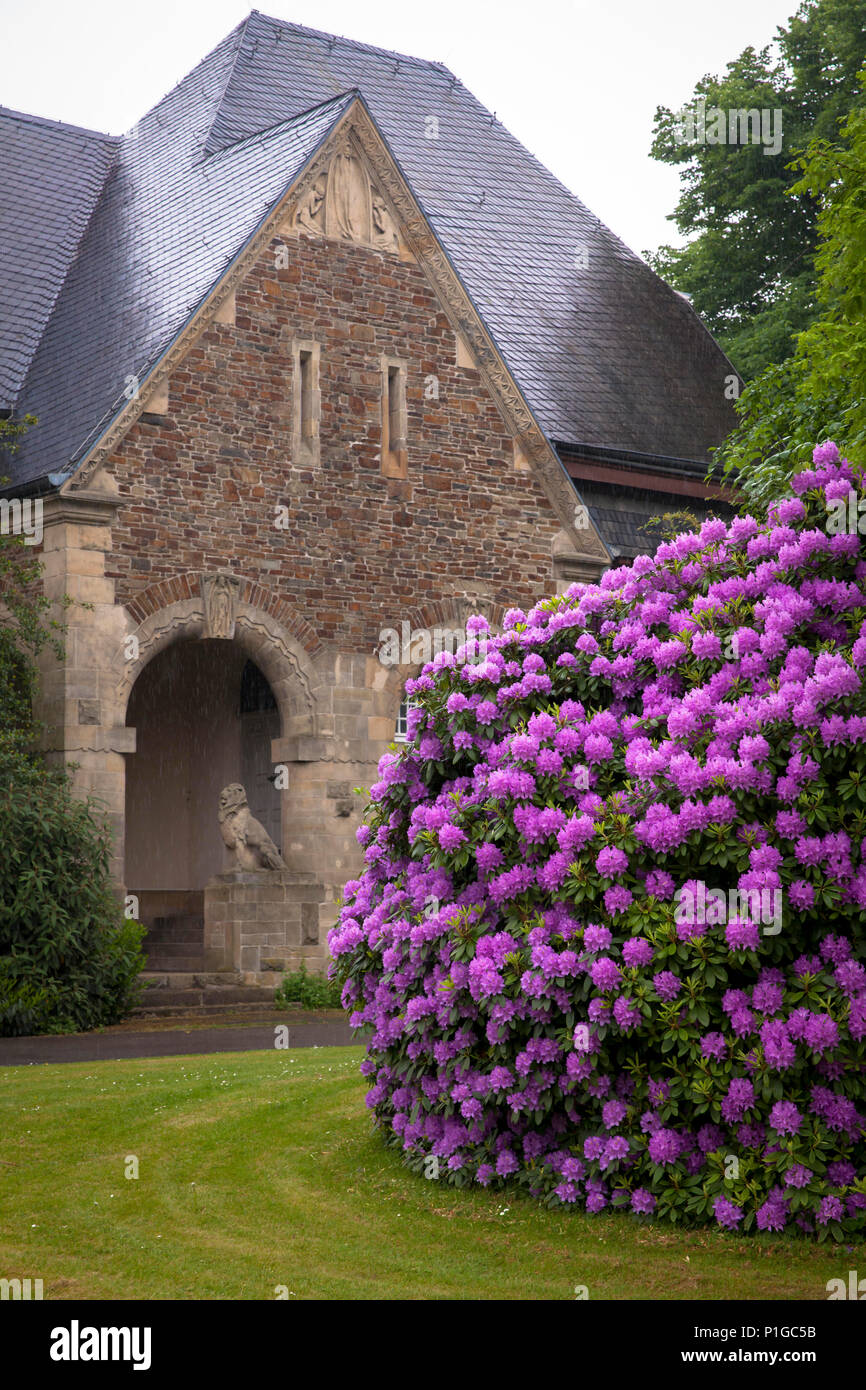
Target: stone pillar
(263, 921)
(77, 701)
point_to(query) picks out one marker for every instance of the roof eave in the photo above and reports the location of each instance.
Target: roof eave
(631, 458)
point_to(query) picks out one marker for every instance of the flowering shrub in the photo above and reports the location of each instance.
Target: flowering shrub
(559, 993)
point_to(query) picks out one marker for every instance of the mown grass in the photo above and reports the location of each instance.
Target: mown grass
(258, 1170)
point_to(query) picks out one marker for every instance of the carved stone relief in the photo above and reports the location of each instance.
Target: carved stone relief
(219, 592)
(343, 203)
(385, 234)
(467, 604)
(311, 209)
(347, 205)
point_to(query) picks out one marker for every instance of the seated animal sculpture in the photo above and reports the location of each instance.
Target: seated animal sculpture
(252, 845)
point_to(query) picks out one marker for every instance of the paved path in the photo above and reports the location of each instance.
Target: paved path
(308, 1031)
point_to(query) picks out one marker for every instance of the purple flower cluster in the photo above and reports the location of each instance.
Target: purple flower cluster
(541, 1009)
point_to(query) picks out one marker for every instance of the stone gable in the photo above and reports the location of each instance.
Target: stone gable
(200, 484)
(275, 501)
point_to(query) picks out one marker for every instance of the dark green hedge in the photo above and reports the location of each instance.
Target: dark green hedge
(69, 960)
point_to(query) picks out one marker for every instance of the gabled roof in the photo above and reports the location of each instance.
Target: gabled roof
(606, 353)
(166, 229)
(52, 175)
(603, 350)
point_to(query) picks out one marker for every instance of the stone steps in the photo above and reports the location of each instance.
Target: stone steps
(174, 948)
(184, 924)
(190, 979)
(166, 938)
(184, 992)
(168, 929)
(163, 964)
(175, 944)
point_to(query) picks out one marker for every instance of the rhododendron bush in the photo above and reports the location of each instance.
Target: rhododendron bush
(558, 941)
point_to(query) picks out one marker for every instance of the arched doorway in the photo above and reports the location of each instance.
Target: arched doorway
(205, 716)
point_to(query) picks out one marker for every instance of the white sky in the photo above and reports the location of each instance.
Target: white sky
(577, 81)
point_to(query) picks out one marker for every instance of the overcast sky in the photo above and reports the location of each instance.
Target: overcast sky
(577, 81)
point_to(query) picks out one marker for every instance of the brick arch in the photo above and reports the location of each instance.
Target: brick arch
(187, 587)
(173, 611)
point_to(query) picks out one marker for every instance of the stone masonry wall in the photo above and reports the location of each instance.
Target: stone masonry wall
(262, 924)
(200, 488)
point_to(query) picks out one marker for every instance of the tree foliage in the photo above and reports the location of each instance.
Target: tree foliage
(68, 958)
(819, 392)
(748, 266)
(669, 524)
(26, 629)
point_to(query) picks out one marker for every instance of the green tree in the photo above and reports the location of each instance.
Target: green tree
(68, 958)
(26, 629)
(748, 266)
(820, 392)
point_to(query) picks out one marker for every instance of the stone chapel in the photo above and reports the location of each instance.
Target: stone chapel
(317, 352)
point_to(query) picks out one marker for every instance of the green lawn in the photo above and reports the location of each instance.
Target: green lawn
(260, 1169)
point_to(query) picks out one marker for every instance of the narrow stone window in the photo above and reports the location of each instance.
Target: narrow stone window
(394, 389)
(307, 402)
(306, 366)
(394, 429)
(157, 407)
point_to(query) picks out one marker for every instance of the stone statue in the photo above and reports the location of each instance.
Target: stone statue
(348, 198)
(220, 592)
(241, 832)
(310, 214)
(384, 231)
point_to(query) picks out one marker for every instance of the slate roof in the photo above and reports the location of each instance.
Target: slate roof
(620, 513)
(606, 354)
(51, 178)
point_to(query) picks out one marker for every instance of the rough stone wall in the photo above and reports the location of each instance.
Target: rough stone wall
(350, 551)
(200, 488)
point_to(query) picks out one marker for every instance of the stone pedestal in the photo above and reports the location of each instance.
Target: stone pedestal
(264, 921)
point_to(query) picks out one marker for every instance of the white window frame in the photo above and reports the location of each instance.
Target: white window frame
(401, 734)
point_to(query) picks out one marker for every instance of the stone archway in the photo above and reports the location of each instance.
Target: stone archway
(188, 669)
(204, 717)
(278, 655)
(198, 912)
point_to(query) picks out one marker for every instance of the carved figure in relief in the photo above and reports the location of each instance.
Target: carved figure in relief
(219, 592)
(241, 832)
(348, 197)
(385, 233)
(311, 211)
